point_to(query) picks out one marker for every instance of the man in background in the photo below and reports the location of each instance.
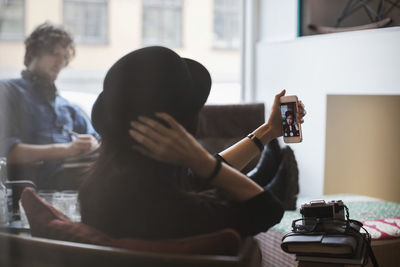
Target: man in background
(39, 129)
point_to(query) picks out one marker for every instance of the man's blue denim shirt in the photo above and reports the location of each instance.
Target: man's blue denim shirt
(27, 117)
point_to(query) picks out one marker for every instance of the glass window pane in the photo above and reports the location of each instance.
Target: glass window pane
(12, 19)
(163, 20)
(227, 16)
(151, 28)
(87, 20)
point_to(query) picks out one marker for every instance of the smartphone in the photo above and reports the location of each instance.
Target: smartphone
(290, 123)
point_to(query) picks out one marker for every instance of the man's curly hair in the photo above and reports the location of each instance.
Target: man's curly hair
(45, 38)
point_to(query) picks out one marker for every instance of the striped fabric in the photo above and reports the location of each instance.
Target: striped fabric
(272, 254)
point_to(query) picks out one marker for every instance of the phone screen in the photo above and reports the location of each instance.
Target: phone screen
(290, 124)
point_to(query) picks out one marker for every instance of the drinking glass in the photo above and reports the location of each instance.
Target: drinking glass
(48, 195)
(65, 201)
(70, 204)
(3, 192)
(22, 214)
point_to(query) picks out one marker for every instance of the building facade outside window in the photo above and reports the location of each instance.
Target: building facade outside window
(12, 19)
(162, 23)
(227, 23)
(87, 20)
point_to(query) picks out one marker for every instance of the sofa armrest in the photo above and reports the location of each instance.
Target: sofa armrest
(24, 251)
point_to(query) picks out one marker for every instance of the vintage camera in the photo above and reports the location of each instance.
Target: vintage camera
(320, 209)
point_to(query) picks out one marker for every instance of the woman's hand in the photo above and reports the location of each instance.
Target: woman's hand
(301, 111)
(173, 145)
(274, 123)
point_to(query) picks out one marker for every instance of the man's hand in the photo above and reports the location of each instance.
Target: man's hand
(28, 153)
(83, 144)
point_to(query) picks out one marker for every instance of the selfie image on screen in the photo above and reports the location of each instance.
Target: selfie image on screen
(289, 120)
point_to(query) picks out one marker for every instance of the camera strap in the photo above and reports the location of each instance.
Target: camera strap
(366, 239)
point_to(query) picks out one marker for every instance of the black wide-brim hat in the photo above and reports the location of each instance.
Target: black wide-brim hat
(149, 80)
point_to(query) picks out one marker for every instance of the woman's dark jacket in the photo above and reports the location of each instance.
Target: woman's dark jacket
(152, 203)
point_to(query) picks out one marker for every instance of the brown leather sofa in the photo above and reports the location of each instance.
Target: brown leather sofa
(220, 126)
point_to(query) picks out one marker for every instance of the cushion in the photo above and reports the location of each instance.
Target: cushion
(48, 222)
(382, 229)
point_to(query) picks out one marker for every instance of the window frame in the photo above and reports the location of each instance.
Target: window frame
(227, 44)
(85, 40)
(17, 36)
(160, 7)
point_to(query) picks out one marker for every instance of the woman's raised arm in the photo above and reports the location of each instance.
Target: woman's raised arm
(176, 146)
(241, 153)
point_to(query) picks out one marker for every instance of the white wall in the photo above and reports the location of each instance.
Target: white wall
(365, 62)
(278, 20)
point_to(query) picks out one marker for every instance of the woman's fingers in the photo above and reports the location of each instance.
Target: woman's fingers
(278, 99)
(171, 121)
(153, 124)
(143, 139)
(173, 145)
(158, 131)
(156, 138)
(282, 93)
(301, 107)
(301, 110)
(148, 131)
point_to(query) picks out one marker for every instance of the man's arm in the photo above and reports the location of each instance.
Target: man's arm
(27, 153)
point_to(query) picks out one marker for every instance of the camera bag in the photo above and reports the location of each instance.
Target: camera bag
(320, 244)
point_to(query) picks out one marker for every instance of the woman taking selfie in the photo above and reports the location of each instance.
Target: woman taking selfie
(145, 183)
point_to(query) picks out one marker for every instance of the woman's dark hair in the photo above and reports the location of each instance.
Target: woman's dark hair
(289, 113)
(44, 39)
(145, 81)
